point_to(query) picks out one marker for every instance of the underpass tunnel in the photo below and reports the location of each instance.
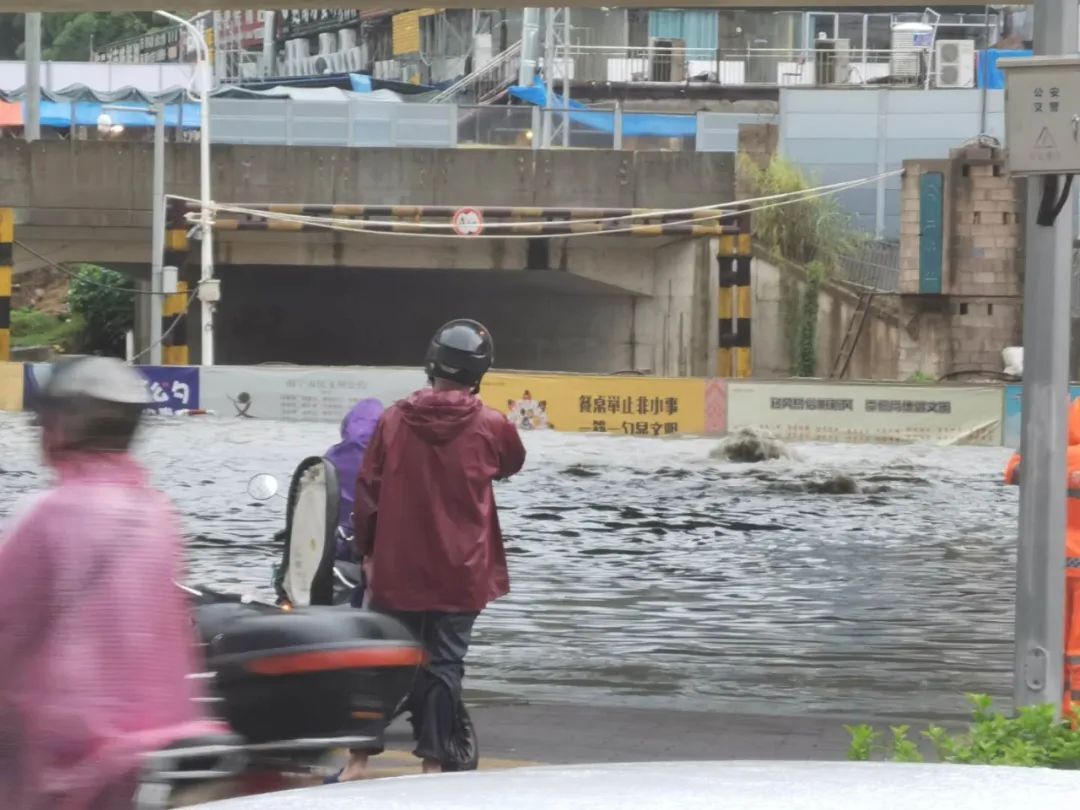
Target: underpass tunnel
(541, 321)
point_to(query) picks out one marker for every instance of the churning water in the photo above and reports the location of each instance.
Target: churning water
(645, 572)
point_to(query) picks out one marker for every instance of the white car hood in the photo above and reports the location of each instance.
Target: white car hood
(697, 786)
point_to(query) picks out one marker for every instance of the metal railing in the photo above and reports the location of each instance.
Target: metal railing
(759, 66)
(595, 127)
(486, 81)
(876, 266)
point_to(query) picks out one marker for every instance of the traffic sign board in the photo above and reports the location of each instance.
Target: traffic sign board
(468, 222)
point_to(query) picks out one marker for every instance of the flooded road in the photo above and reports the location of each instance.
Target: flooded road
(645, 573)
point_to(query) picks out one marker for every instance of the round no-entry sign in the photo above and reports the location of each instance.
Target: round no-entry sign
(468, 222)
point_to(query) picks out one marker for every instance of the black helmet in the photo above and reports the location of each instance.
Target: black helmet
(462, 351)
(98, 401)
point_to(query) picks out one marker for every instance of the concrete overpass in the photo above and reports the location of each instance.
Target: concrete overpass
(231, 5)
(590, 303)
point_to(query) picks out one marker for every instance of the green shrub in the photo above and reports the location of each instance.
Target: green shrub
(812, 229)
(32, 328)
(1034, 738)
(805, 353)
(103, 300)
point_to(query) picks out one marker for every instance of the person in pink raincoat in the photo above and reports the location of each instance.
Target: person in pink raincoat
(95, 638)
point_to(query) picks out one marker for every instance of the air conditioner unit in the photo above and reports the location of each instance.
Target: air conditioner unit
(667, 60)
(954, 61)
(831, 61)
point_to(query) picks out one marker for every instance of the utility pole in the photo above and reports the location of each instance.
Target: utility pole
(1040, 575)
(549, 74)
(157, 260)
(32, 58)
(530, 36)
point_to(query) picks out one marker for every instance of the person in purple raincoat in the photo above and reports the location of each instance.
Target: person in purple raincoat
(347, 456)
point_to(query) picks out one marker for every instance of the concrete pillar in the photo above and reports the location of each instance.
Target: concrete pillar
(174, 323)
(7, 239)
(725, 307)
(734, 256)
(143, 316)
(978, 311)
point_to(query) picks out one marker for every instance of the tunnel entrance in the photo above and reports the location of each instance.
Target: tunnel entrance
(541, 321)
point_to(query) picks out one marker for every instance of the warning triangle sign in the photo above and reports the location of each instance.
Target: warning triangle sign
(1045, 140)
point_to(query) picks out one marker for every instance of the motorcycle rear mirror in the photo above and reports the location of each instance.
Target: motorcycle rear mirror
(262, 487)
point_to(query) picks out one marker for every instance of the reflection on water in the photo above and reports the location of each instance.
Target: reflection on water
(644, 572)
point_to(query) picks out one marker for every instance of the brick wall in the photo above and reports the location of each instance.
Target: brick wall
(979, 312)
(985, 256)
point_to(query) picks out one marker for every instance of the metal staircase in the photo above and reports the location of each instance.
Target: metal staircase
(487, 82)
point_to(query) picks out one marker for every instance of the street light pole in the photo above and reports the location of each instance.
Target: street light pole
(32, 57)
(1040, 565)
(205, 219)
(158, 258)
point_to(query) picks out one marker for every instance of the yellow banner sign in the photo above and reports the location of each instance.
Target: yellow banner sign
(633, 406)
(11, 386)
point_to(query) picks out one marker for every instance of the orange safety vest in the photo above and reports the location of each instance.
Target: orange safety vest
(1072, 506)
(1072, 556)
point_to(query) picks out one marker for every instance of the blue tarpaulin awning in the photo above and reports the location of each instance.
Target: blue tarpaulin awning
(65, 114)
(634, 125)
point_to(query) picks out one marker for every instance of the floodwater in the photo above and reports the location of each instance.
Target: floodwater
(645, 573)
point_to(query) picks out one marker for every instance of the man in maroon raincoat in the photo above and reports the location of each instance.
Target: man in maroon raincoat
(427, 524)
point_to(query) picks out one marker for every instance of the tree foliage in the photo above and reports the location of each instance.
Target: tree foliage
(807, 230)
(69, 37)
(805, 350)
(104, 303)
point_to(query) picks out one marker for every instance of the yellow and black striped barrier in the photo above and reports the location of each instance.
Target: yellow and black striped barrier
(725, 312)
(503, 229)
(735, 306)
(446, 212)
(7, 261)
(174, 342)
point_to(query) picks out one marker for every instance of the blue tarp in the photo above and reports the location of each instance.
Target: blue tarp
(634, 125)
(990, 75)
(361, 83)
(59, 114)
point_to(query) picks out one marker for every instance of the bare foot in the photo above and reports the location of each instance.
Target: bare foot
(432, 766)
(356, 768)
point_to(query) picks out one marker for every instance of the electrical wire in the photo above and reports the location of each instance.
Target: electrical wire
(161, 340)
(81, 276)
(358, 226)
(725, 209)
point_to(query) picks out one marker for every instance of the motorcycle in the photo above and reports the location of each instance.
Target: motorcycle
(295, 680)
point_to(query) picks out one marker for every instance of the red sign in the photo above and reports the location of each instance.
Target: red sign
(468, 222)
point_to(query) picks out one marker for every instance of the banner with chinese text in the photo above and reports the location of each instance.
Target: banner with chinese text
(634, 406)
(868, 412)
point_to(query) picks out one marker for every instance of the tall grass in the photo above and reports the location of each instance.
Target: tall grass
(809, 230)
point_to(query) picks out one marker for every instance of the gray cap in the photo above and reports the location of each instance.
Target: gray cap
(104, 379)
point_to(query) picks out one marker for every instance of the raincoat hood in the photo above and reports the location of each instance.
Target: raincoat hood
(357, 428)
(1074, 422)
(440, 416)
(358, 425)
(86, 576)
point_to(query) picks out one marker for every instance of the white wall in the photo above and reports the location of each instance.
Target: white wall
(102, 76)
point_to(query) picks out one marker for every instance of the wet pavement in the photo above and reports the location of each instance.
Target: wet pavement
(648, 576)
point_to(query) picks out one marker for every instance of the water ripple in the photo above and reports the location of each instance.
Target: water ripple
(645, 573)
